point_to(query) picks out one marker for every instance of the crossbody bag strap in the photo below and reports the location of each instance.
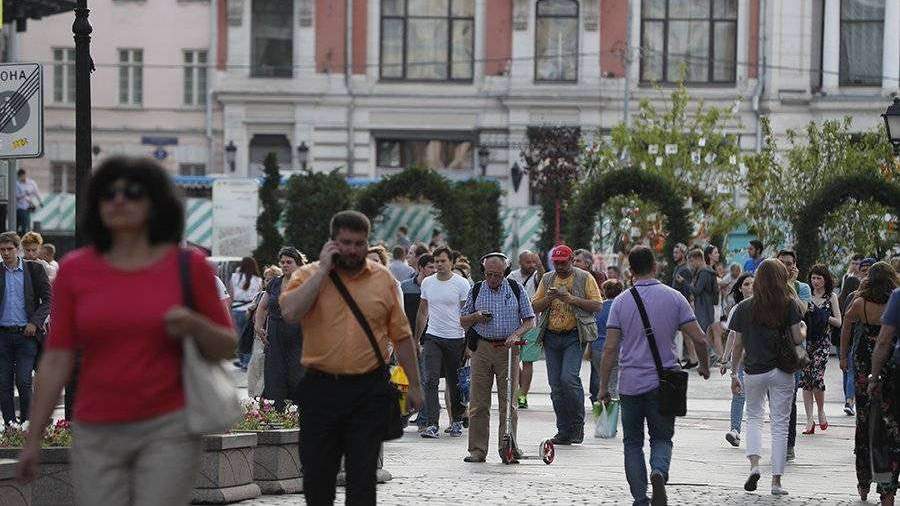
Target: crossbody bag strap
(354, 308)
(184, 275)
(648, 330)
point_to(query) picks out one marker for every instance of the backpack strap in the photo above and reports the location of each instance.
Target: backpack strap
(475, 290)
(516, 290)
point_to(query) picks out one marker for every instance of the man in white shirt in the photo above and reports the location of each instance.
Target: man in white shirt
(48, 254)
(528, 275)
(443, 295)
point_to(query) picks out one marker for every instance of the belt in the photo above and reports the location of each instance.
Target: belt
(12, 330)
(315, 373)
(561, 332)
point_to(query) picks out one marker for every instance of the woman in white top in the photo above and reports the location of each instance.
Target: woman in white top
(245, 285)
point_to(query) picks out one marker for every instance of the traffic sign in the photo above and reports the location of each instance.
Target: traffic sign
(21, 110)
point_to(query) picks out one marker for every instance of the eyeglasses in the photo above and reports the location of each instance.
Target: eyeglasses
(131, 191)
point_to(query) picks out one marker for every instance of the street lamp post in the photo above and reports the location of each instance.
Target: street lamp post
(303, 155)
(515, 173)
(81, 28)
(230, 155)
(892, 123)
(484, 157)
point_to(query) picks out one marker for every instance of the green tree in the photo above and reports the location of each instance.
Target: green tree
(781, 182)
(272, 208)
(312, 199)
(690, 147)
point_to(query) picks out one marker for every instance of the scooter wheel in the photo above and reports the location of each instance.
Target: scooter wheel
(547, 451)
(506, 451)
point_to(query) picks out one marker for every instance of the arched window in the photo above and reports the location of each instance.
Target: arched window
(556, 41)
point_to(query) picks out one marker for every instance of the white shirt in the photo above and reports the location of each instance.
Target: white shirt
(240, 295)
(27, 194)
(444, 298)
(532, 281)
(220, 286)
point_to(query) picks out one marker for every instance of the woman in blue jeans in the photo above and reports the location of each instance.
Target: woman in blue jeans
(742, 289)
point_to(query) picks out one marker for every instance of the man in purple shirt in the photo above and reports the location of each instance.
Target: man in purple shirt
(668, 312)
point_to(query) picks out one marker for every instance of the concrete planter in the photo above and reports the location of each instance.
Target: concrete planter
(277, 461)
(226, 469)
(12, 493)
(53, 486)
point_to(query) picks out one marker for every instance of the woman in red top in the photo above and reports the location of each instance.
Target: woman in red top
(119, 303)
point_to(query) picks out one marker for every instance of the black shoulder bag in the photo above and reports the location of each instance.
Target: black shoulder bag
(672, 382)
(396, 422)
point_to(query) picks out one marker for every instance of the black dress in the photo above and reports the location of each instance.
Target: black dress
(282, 371)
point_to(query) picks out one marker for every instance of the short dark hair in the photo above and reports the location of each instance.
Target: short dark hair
(822, 270)
(403, 230)
(420, 249)
(757, 244)
(615, 268)
(857, 257)
(443, 250)
(695, 253)
(641, 260)
(166, 218)
(612, 288)
(424, 260)
(398, 252)
(11, 237)
(292, 252)
(20, 172)
(787, 253)
(354, 221)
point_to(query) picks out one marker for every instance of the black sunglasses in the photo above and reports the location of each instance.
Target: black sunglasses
(131, 191)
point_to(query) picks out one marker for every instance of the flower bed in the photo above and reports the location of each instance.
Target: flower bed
(276, 466)
(53, 485)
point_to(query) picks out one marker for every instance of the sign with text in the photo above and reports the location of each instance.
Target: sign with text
(21, 110)
(235, 209)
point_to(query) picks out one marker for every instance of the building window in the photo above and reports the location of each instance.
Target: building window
(195, 77)
(693, 40)
(131, 76)
(272, 34)
(862, 42)
(64, 76)
(62, 177)
(191, 169)
(427, 40)
(435, 154)
(556, 41)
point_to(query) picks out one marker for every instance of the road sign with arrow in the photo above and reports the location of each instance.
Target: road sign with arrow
(21, 110)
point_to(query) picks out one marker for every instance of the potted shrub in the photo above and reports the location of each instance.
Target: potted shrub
(53, 485)
(277, 456)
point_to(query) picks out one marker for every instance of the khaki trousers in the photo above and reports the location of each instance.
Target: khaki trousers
(148, 463)
(489, 362)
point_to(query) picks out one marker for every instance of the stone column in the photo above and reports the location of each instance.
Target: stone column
(891, 56)
(831, 45)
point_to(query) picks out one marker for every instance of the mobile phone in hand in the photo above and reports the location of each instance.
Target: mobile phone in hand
(487, 314)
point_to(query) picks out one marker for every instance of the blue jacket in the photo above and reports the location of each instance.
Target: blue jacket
(602, 316)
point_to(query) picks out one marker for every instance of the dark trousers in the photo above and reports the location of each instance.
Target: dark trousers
(23, 221)
(346, 417)
(17, 355)
(792, 424)
(442, 355)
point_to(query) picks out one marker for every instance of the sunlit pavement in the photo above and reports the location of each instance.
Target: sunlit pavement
(705, 468)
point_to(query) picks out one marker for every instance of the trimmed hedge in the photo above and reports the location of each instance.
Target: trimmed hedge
(808, 224)
(312, 199)
(469, 211)
(594, 193)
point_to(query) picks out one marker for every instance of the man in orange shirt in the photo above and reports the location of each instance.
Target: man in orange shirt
(343, 397)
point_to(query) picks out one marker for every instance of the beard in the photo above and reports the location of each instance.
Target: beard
(349, 263)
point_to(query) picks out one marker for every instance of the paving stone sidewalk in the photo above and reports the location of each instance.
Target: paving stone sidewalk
(705, 469)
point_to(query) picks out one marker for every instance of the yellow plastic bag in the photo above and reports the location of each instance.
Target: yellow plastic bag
(399, 379)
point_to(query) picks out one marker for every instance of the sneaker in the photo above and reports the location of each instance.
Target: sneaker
(658, 482)
(431, 432)
(474, 459)
(422, 428)
(791, 455)
(777, 490)
(752, 480)
(690, 365)
(734, 438)
(522, 401)
(456, 429)
(465, 422)
(848, 409)
(559, 439)
(578, 439)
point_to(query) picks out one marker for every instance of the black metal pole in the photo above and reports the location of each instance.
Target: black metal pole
(83, 66)
(81, 28)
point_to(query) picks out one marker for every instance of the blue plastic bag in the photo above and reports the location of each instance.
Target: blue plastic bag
(464, 379)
